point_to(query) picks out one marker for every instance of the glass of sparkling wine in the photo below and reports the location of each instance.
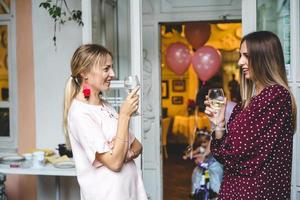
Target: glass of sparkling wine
(216, 100)
(131, 82)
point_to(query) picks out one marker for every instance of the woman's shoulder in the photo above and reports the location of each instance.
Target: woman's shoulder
(79, 109)
(82, 113)
(273, 96)
(274, 92)
(276, 88)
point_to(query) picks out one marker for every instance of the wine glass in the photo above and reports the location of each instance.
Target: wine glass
(216, 100)
(131, 82)
(188, 152)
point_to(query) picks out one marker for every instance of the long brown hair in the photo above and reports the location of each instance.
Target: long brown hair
(266, 63)
(84, 58)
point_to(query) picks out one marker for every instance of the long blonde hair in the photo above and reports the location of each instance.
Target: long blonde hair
(84, 58)
(266, 64)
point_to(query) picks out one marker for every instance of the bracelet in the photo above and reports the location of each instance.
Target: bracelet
(221, 126)
(121, 140)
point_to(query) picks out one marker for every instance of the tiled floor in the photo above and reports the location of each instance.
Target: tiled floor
(177, 177)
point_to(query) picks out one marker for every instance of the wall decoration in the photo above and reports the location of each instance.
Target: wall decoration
(178, 85)
(177, 100)
(165, 89)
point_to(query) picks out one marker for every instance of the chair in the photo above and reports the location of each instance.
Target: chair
(165, 128)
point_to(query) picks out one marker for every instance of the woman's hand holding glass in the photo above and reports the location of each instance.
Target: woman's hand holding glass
(215, 108)
(131, 103)
(131, 82)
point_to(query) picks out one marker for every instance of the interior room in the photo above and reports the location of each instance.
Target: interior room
(185, 80)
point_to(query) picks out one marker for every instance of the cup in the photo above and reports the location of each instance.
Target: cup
(38, 159)
(28, 160)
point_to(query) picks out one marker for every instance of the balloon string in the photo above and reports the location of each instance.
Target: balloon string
(203, 83)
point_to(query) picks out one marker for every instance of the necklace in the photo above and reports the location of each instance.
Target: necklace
(106, 109)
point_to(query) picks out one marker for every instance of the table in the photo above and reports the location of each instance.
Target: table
(186, 125)
(47, 170)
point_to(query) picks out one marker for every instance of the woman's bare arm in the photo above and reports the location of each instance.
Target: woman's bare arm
(114, 160)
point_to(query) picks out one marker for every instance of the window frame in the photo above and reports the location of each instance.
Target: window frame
(10, 143)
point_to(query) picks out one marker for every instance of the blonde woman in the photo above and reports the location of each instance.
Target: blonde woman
(256, 149)
(102, 146)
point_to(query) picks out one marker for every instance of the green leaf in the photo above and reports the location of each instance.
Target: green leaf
(60, 13)
(45, 5)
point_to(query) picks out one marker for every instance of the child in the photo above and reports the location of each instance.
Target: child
(207, 175)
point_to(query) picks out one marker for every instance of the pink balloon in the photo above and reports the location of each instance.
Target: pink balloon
(197, 33)
(206, 62)
(178, 57)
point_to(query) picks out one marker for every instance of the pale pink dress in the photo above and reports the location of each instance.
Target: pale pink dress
(90, 129)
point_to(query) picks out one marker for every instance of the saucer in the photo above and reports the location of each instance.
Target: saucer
(11, 159)
(64, 164)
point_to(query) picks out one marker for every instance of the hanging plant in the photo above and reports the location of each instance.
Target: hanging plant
(61, 13)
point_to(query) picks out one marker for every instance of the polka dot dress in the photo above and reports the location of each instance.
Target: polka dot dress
(257, 149)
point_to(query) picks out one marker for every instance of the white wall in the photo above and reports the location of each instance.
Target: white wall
(52, 68)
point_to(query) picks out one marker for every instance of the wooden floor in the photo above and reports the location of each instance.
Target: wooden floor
(177, 177)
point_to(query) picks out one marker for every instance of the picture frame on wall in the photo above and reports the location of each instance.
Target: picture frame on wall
(177, 100)
(164, 89)
(178, 85)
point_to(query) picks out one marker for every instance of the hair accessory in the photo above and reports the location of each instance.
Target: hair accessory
(74, 78)
(86, 91)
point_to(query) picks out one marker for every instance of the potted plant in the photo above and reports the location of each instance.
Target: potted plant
(60, 12)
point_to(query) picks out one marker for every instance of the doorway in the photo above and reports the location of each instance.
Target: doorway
(183, 89)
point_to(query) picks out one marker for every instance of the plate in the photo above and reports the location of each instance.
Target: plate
(12, 159)
(65, 165)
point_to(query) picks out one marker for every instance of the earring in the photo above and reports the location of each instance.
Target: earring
(86, 90)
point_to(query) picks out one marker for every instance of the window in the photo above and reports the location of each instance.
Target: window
(106, 18)
(104, 26)
(7, 74)
(274, 16)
